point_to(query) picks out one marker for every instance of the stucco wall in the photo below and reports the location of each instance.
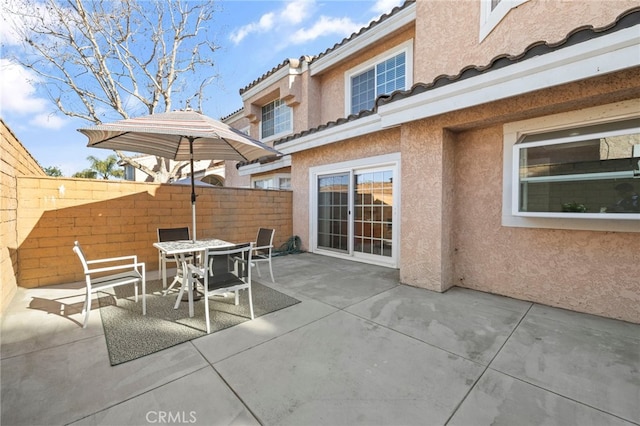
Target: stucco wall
(15, 161)
(232, 178)
(595, 272)
(367, 146)
(587, 271)
(551, 21)
(332, 83)
(114, 218)
(451, 206)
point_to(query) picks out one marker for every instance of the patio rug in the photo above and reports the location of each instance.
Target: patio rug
(131, 335)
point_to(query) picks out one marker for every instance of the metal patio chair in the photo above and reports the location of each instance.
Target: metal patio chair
(172, 234)
(263, 249)
(133, 272)
(224, 270)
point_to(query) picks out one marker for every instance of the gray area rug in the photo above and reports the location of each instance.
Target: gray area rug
(131, 335)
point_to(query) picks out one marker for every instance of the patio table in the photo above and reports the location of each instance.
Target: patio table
(181, 248)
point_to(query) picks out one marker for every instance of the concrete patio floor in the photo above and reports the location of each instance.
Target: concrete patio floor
(359, 350)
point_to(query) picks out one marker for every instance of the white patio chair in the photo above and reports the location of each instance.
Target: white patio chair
(96, 280)
(171, 234)
(262, 250)
(225, 270)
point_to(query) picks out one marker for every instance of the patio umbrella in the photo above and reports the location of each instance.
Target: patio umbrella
(181, 136)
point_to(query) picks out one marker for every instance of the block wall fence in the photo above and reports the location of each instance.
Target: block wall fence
(42, 216)
(116, 218)
(15, 161)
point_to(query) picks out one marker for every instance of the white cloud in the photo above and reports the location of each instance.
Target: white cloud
(48, 121)
(19, 17)
(18, 96)
(294, 12)
(8, 35)
(264, 24)
(385, 6)
(17, 90)
(325, 26)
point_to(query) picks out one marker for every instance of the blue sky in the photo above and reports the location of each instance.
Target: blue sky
(255, 36)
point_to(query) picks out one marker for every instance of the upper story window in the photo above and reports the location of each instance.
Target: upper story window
(384, 78)
(382, 75)
(276, 119)
(492, 12)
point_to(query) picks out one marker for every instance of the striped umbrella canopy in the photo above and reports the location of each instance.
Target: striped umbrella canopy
(181, 136)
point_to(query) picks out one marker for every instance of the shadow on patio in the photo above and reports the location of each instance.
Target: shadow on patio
(359, 349)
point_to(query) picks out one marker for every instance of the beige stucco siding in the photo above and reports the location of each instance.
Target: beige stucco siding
(587, 271)
(451, 207)
(362, 147)
(332, 86)
(449, 39)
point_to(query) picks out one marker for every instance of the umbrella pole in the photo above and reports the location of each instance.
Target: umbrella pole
(193, 193)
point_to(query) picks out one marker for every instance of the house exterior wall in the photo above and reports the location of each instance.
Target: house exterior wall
(114, 218)
(382, 143)
(451, 229)
(332, 83)
(459, 38)
(232, 178)
(451, 207)
(15, 161)
(587, 271)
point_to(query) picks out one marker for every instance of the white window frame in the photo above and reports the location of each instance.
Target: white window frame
(513, 132)
(489, 19)
(276, 135)
(406, 47)
(388, 160)
(129, 172)
(276, 178)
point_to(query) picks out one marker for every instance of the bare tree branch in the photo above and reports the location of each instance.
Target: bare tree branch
(105, 60)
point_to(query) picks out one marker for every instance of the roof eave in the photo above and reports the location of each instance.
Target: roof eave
(609, 53)
(599, 56)
(368, 38)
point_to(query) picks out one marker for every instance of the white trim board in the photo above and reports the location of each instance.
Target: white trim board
(365, 40)
(255, 168)
(599, 56)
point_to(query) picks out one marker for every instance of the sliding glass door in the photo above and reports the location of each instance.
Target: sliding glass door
(373, 212)
(333, 212)
(355, 213)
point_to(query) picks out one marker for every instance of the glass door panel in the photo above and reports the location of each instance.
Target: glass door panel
(373, 208)
(333, 212)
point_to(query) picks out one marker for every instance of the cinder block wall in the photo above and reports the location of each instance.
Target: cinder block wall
(15, 161)
(115, 218)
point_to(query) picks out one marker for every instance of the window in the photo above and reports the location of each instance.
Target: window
(590, 169)
(492, 12)
(381, 75)
(280, 181)
(276, 119)
(129, 172)
(384, 78)
(575, 170)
